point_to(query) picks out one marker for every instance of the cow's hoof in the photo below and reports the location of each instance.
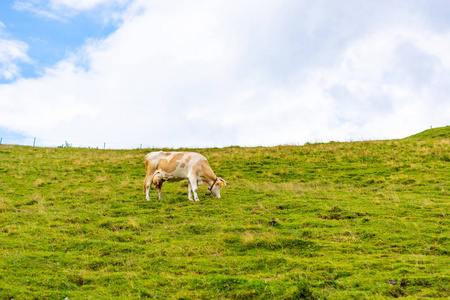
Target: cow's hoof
(191, 199)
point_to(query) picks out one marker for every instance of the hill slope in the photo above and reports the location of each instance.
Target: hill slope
(433, 133)
(336, 221)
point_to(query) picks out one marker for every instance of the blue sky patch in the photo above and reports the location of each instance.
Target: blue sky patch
(49, 39)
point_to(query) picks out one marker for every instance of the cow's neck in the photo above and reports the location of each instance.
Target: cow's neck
(209, 178)
(212, 184)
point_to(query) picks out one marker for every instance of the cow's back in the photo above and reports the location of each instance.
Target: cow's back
(155, 157)
(178, 164)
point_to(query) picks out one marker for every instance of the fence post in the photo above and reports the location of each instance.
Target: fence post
(104, 145)
(1, 140)
(34, 142)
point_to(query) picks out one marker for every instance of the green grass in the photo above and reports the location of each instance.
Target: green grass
(358, 220)
(436, 133)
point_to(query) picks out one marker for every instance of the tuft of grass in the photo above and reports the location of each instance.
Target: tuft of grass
(304, 290)
(319, 221)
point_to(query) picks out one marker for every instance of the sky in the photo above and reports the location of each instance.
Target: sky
(142, 73)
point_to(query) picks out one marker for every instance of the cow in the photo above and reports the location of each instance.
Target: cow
(175, 166)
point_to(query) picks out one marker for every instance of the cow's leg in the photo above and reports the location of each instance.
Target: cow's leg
(190, 192)
(158, 190)
(147, 190)
(193, 184)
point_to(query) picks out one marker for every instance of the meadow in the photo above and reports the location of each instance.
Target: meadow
(338, 220)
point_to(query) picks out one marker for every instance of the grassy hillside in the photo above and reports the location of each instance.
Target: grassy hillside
(359, 220)
(434, 133)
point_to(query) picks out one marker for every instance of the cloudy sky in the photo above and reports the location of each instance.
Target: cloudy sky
(220, 73)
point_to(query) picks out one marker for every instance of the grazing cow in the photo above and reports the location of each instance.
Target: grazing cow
(174, 166)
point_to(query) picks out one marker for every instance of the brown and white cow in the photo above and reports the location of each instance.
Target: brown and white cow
(174, 166)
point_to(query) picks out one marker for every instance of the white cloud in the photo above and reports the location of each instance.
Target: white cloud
(81, 5)
(61, 10)
(12, 52)
(31, 7)
(249, 73)
(392, 76)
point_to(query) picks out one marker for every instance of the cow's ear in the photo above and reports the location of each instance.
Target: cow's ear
(223, 182)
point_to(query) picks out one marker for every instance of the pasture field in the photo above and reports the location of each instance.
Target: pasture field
(353, 220)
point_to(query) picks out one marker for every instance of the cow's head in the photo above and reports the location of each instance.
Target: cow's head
(215, 189)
